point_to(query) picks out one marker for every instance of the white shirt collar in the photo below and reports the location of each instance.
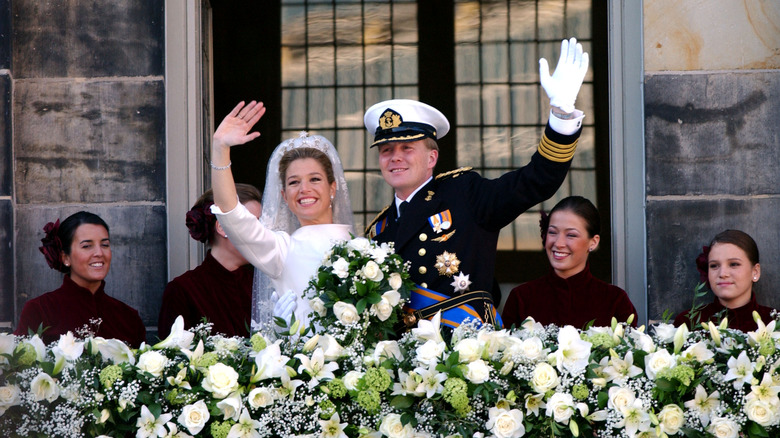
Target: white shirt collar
(398, 200)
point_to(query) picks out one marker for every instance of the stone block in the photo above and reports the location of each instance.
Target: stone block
(6, 261)
(712, 133)
(711, 35)
(676, 232)
(96, 141)
(138, 272)
(100, 38)
(6, 165)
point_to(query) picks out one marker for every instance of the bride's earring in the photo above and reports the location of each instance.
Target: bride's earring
(332, 197)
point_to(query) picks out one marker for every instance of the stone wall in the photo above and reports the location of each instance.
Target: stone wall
(6, 205)
(89, 134)
(712, 135)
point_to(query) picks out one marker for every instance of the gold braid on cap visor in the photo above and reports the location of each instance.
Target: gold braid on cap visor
(557, 152)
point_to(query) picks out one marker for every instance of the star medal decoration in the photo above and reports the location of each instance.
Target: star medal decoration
(441, 221)
(461, 283)
(447, 263)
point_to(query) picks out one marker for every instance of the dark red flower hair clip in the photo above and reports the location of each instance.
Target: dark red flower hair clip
(702, 264)
(200, 221)
(52, 246)
(544, 223)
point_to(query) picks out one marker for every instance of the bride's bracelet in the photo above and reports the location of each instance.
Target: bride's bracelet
(215, 167)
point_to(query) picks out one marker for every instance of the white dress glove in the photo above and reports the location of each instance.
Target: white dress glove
(564, 84)
(285, 306)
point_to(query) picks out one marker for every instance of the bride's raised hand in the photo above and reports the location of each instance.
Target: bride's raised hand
(234, 128)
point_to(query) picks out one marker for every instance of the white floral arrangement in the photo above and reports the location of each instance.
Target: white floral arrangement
(475, 381)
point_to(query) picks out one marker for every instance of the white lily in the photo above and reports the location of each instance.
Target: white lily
(149, 426)
(703, 405)
(316, 367)
(333, 428)
(246, 427)
(429, 330)
(740, 370)
(178, 338)
(573, 352)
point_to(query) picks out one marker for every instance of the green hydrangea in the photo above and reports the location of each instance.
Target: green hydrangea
(456, 394)
(601, 340)
(27, 354)
(109, 375)
(207, 360)
(378, 379)
(336, 388)
(766, 347)
(369, 400)
(221, 429)
(580, 391)
(258, 342)
(682, 373)
(327, 409)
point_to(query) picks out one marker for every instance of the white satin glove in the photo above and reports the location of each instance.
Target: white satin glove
(564, 84)
(285, 306)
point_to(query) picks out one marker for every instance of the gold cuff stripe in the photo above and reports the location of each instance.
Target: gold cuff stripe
(557, 152)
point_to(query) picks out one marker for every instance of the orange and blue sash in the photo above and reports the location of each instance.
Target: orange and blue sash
(454, 310)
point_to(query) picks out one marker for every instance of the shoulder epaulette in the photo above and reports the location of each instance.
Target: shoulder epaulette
(453, 173)
(375, 220)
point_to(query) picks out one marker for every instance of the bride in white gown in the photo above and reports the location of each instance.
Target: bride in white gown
(306, 208)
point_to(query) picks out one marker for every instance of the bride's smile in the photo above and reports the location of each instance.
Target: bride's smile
(308, 193)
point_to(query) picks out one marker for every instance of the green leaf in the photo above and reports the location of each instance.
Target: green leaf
(756, 430)
(402, 401)
(361, 306)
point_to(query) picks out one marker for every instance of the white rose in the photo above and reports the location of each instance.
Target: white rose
(430, 350)
(468, 350)
(504, 423)
(223, 344)
(220, 380)
(346, 313)
(560, 407)
(260, 398)
(9, 396)
(763, 413)
(620, 397)
(723, 428)
(383, 309)
(532, 348)
(351, 380)
(318, 306)
(360, 244)
(395, 280)
(43, 387)
(544, 378)
(373, 272)
(392, 427)
(672, 418)
(477, 371)
(378, 254)
(194, 417)
(658, 361)
(665, 332)
(152, 362)
(341, 268)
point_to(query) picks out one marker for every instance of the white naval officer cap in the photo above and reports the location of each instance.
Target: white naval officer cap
(404, 120)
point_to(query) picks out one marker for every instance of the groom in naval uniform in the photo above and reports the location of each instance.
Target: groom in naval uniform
(447, 226)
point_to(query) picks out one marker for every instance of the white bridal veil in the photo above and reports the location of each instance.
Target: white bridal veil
(278, 217)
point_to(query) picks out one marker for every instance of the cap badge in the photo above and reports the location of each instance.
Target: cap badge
(390, 119)
(447, 263)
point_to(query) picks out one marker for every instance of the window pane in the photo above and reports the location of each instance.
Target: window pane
(494, 21)
(494, 63)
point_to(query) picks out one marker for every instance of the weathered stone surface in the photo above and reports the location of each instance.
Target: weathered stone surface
(98, 38)
(100, 141)
(138, 246)
(711, 35)
(676, 232)
(6, 261)
(5, 34)
(6, 166)
(713, 133)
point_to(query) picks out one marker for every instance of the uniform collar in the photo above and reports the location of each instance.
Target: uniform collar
(398, 200)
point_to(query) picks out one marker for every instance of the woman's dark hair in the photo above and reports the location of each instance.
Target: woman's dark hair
(740, 239)
(201, 221)
(299, 153)
(578, 205)
(59, 237)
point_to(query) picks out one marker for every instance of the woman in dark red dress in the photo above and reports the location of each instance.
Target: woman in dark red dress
(569, 294)
(220, 289)
(731, 266)
(80, 247)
